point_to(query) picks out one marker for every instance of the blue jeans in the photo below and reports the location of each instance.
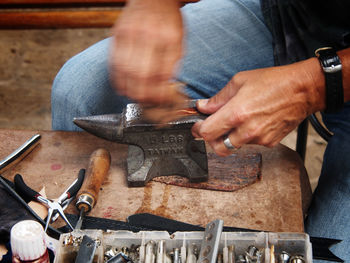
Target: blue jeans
(329, 213)
(223, 37)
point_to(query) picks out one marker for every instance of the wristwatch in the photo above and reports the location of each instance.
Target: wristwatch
(332, 69)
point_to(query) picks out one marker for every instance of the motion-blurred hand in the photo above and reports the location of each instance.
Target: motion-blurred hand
(262, 106)
(146, 48)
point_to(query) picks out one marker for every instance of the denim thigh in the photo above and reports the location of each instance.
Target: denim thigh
(329, 214)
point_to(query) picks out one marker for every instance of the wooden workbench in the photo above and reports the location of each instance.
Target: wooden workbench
(274, 203)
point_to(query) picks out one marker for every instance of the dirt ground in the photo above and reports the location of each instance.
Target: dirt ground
(29, 61)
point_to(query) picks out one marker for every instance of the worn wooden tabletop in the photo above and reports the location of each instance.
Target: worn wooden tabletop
(274, 203)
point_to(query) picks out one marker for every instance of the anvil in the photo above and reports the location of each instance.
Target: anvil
(153, 150)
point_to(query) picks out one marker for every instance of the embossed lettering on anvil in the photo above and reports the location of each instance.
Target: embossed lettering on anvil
(165, 150)
(166, 139)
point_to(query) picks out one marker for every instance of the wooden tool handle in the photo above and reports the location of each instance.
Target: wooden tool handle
(96, 173)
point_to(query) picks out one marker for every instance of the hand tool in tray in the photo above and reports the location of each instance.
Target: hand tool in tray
(54, 206)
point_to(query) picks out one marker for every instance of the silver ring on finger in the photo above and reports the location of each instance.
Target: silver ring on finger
(228, 143)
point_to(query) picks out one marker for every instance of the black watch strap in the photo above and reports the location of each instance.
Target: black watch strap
(332, 69)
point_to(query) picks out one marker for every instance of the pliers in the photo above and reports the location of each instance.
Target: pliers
(54, 206)
(67, 197)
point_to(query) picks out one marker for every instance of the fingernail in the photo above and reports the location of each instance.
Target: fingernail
(202, 103)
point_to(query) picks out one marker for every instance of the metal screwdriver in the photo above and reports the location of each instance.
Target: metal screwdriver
(96, 173)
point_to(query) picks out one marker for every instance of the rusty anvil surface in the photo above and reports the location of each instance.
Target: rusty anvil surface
(274, 203)
(154, 151)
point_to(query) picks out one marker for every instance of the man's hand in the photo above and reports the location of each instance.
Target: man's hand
(147, 46)
(262, 106)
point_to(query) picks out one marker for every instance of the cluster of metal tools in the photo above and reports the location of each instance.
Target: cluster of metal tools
(210, 246)
(155, 252)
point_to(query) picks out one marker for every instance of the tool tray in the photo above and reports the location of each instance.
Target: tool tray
(293, 243)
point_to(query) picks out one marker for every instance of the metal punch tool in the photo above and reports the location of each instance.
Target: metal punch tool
(54, 206)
